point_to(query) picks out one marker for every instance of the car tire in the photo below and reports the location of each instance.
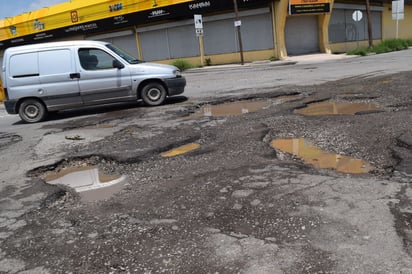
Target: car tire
(153, 94)
(32, 111)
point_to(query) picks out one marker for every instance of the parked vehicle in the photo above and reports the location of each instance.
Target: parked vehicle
(54, 76)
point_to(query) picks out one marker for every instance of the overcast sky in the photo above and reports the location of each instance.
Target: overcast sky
(9, 8)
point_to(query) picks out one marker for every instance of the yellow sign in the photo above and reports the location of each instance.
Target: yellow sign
(309, 6)
(74, 12)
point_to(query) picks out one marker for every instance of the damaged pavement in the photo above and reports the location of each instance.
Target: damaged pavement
(233, 203)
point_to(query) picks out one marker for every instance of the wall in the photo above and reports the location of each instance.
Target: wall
(389, 25)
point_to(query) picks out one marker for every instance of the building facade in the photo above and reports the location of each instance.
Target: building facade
(164, 30)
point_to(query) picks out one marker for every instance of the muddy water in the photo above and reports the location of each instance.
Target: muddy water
(181, 150)
(312, 155)
(231, 109)
(334, 108)
(88, 181)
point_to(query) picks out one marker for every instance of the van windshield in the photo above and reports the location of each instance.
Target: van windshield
(126, 56)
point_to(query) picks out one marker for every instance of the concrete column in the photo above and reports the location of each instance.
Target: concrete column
(281, 13)
(323, 30)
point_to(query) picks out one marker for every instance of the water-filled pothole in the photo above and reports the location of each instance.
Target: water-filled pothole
(88, 181)
(241, 107)
(231, 109)
(312, 155)
(334, 108)
(181, 150)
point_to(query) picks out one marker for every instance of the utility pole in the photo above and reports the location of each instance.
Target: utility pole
(237, 25)
(368, 14)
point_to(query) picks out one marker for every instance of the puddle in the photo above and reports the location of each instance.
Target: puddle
(312, 155)
(334, 108)
(88, 181)
(231, 109)
(180, 150)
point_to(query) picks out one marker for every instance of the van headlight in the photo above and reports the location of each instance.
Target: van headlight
(177, 73)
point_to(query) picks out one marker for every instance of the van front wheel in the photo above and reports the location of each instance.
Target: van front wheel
(32, 111)
(153, 94)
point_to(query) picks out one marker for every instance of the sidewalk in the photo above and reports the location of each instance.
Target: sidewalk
(290, 60)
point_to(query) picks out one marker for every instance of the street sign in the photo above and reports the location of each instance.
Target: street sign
(357, 15)
(397, 10)
(198, 21)
(199, 32)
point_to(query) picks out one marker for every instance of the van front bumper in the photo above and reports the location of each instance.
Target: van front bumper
(10, 106)
(175, 86)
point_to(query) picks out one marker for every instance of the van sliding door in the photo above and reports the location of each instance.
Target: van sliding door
(60, 86)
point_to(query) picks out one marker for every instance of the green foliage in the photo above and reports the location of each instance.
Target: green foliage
(182, 64)
(208, 61)
(273, 58)
(361, 52)
(384, 46)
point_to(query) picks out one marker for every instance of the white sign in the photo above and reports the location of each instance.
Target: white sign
(397, 10)
(199, 32)
(198, 21)
(238, 23)
(357, 15)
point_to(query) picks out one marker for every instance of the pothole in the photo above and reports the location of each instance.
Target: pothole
(7, 139)
(181, 150)
(312, 155)
(336, 108)
(240, 107)
(231, 109)
(88, 181)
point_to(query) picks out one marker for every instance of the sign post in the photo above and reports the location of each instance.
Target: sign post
(238, 23)
(199, 33)
(397, 13)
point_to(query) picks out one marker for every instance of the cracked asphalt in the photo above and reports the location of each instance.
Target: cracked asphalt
(234, 205)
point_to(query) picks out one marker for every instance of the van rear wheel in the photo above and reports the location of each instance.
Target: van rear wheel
(32, 111)
(153, 94)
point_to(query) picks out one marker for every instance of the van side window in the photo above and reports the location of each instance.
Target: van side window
(95, 59)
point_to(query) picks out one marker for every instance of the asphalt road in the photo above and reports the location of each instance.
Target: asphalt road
(233, 205)
(313, 69)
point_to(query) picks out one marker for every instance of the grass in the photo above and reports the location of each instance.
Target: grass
(384, 46)
(182, 64)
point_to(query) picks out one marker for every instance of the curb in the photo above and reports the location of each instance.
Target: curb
(239, 66)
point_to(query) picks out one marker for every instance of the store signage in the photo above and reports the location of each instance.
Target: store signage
(108, 18)
(308, 6)
(74, 16)
(116, 7)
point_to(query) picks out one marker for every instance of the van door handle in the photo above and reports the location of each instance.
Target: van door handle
(74, 75)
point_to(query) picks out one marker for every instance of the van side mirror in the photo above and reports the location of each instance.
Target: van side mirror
(117, 64)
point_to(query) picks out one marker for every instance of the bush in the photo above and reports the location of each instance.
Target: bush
(182, 64)
(361, 52)
(208, 61)
(384, 46)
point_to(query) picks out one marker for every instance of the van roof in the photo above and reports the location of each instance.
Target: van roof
(55, 44)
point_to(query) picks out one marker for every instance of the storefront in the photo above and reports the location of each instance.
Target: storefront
(164, 30)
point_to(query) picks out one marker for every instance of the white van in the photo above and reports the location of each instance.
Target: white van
(54, 76)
